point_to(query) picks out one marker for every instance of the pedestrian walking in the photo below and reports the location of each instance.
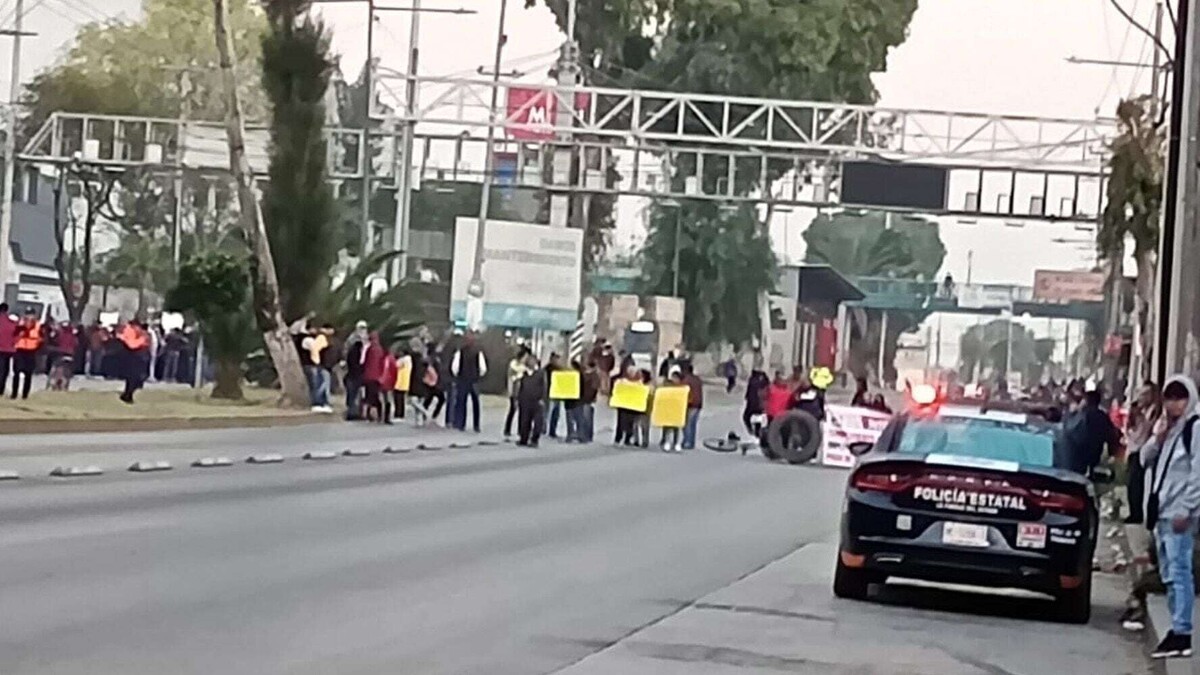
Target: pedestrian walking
(571, 407)
(135, 358)
(8, 345)
(431, 389)
(467, 367)
(1172, 457)
(532, 391)
(1087, 431)
(516, 371)
(729, 370)
(695, 403)
(30, 337)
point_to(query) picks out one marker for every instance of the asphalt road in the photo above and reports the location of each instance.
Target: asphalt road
(479, 560)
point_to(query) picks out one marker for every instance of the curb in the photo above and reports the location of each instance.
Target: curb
(1158, 619)
(99, 426)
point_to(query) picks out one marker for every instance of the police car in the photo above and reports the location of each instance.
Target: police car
(958, 493)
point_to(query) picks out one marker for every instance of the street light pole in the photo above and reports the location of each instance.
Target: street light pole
(10, 154)
(368, 236)
(675, 264)
(475, 290)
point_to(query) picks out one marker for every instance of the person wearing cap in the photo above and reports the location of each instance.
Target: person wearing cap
(30, 337)
(1172, 460)
(353, 381)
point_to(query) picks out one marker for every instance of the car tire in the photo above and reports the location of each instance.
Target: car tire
(767, 452)
(1075, 605)
(850, 583)
(796, 422)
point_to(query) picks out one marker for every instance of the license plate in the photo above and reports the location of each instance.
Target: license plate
(963, 534)
(1031, 535)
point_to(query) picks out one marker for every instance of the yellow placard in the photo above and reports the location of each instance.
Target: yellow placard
(404, 374)
(628, 395)
(564, 385)
(670, 407)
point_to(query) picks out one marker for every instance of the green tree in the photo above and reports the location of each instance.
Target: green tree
(298, 203)
(135, 67)
(1134, 202)
(725, 262)
(986, 346)
(866, 244)
(214, 288)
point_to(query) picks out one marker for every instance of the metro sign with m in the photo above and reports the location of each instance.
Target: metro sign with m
(531, 112)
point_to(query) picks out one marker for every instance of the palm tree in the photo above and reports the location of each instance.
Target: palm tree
(1134, 200)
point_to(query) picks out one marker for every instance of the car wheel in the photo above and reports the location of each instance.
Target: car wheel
(850, 583)
(1075, 605)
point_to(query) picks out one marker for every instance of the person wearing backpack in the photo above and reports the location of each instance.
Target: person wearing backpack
(1172, 463)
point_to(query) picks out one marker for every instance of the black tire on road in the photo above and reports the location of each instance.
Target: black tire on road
(794, 436)
(850, 583)
(721, 444)
(1075, 605)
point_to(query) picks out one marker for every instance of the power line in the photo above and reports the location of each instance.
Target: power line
(1134, 23)
(85, 8)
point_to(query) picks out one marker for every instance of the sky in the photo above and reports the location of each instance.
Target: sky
(994, 56)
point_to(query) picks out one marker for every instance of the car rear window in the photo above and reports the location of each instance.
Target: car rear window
(983, 438)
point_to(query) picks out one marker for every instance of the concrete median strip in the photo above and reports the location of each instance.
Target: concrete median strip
(145, 467)
(460, 445)
(9, 475)
(211, 462)
(320, 454)
(356, 452)
(389, 450)
(267, 458)
(73, 471)
(422, 446)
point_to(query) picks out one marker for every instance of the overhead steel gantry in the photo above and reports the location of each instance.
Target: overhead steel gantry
(659, 144)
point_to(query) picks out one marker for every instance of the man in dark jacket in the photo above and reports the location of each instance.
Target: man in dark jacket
(355, 345)
(531, 395)
(1087, 431)
(467, 367)
(695, 403)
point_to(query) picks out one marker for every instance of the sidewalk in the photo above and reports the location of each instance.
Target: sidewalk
(784, 618)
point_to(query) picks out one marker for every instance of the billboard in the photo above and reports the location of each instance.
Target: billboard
(531, 112)
(1060, 287)
(531, 274)
(910, 186)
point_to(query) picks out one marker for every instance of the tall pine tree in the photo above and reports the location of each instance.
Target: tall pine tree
(298, 203)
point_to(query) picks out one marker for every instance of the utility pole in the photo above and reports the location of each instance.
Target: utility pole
(567, 77)
(475, 290)
(10, 156)
(368, 235)
(1178, 238)
(400, 235)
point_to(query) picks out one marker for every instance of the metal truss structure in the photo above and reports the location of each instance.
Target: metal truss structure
(656, 145)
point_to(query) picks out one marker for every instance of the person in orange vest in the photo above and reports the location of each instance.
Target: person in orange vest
(30, 336)
(135, 343)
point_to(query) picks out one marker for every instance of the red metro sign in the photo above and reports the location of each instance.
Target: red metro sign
(531, 112)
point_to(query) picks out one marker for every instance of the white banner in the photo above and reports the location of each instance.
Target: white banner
(844, 425)
(531, 274)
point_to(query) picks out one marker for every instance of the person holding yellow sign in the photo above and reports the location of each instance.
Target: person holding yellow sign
(629, 399)
(670, 409)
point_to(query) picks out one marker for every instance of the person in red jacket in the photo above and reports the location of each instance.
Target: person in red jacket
(778, 397)
(372, 373)
(387, 384)
(65, 343)
(8, 344)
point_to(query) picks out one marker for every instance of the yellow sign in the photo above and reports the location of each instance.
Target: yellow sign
(629, 395)
(404, 374)
(670, 407)
(564, 385)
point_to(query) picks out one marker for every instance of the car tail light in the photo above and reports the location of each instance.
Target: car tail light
(881, 481)
(1059, 501)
